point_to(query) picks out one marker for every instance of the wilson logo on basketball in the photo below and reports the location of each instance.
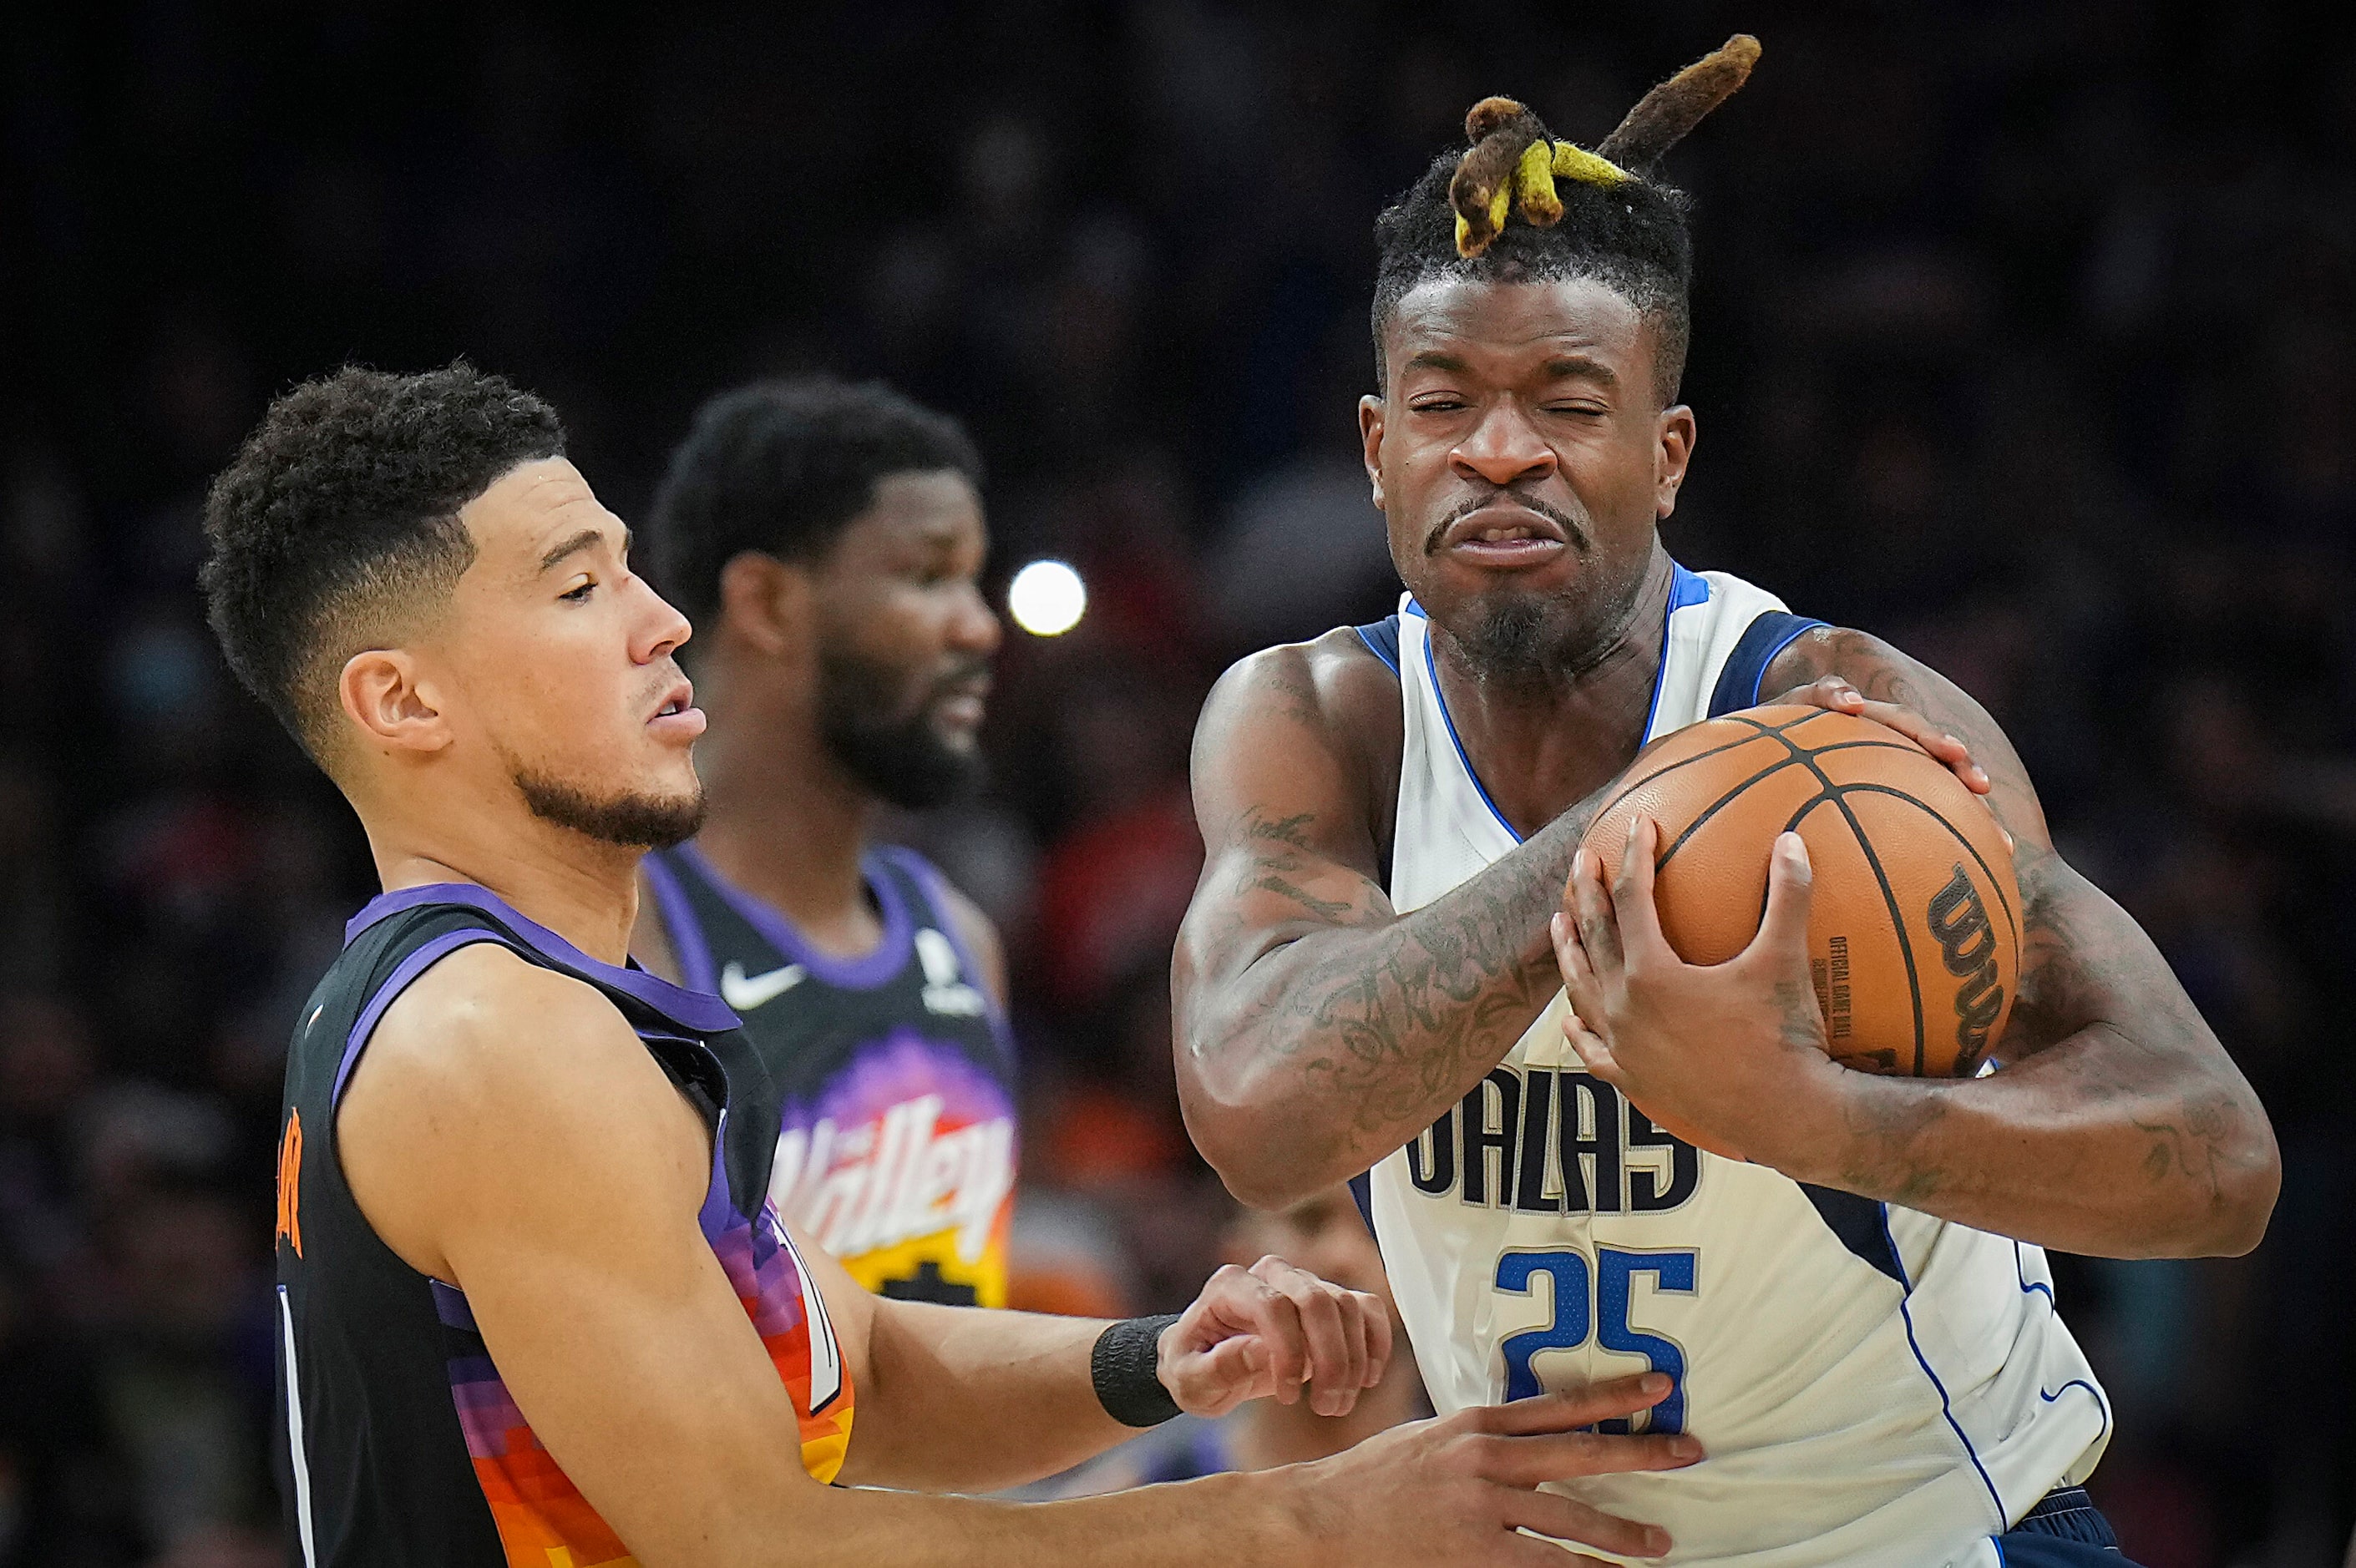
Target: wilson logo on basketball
(1959, 924)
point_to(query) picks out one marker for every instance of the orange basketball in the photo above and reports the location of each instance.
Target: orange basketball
(1914, 928)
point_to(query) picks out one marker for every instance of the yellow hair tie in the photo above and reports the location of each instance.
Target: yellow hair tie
(1589, 169)
(1534, 185)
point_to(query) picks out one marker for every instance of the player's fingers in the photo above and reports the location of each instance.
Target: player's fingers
(1783, 939)
(1214, 1382)
(1336, 1370)
(1571, 954)
(1277, 1320)
(1374, 1326)
(1566, 1519)
(1565, 1410)
(1567, 1456)
(1830, 691)
(1599, 927)
(1632, 896)
(1948, 747)
(1592, 1047)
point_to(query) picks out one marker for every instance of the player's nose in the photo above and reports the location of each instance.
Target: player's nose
(659, 629)
(1504, 447)
(974, 627)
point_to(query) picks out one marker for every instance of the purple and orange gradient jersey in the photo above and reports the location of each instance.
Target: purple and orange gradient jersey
(403, 1444)
(894, 1074)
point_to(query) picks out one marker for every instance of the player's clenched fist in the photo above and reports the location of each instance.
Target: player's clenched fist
(1266, 1332)
(1456, 1490)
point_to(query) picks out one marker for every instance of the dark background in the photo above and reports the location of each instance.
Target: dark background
(2026, 336)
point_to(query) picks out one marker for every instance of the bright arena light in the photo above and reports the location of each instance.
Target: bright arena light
(1047, 598)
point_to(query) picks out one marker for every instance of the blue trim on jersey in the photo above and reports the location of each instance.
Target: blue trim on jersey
(1439, 696)
(1946, 1406)
(2100, 1405)
(1362, 1193)
(2027, 1285)
(1685, 588)
(1382, 640)
(1785, 642)
(1745, 670)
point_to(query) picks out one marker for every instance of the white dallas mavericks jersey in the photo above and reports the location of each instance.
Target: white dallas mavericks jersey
(1871, 1385)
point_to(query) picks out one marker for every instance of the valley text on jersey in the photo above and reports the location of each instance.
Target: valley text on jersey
(895, 1141)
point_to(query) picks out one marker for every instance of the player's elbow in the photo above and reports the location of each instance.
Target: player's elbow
(2249, 1180)
(1256, 1144)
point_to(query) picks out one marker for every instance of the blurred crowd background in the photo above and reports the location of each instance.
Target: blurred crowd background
(2025, 337)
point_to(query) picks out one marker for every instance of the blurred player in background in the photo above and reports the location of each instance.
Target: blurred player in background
(1366, 979)
(827, 539)
(534, 1304)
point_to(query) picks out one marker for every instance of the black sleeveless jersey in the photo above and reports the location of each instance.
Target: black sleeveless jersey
(401, 1444)
(895, 1137)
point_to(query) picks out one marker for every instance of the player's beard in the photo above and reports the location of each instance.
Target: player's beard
(632, 821)
(888, 746)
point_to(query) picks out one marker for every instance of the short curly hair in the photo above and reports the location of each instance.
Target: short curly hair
(337, 524)
(780, 467)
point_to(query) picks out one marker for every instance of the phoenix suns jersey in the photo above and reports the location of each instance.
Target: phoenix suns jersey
(1871, 1385)
(402, 1445)
(896, 1135)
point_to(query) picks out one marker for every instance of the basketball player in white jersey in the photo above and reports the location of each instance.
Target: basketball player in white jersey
(1366, 982)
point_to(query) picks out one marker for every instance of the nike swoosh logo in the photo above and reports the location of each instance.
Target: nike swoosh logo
(745, 992)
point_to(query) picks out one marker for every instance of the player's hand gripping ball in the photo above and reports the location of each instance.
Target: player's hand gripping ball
(1914, 924)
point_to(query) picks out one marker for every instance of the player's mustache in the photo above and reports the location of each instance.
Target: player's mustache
(1575, 529)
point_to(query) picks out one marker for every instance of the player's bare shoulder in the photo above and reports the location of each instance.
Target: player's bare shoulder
(1325, 712)
(487, 1060)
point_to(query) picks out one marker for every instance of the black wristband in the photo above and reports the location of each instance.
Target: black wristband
(1126, 1369)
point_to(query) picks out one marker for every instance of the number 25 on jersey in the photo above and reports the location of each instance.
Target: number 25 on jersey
(1593, 1300)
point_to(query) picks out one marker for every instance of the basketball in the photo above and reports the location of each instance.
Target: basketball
(1915, 926)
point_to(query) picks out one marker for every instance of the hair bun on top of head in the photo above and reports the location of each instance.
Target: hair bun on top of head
(1514, 162)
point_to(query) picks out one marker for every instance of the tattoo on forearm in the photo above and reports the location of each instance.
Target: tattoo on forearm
(1396, 1020)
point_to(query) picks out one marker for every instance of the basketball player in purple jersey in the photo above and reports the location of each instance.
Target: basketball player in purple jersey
(827, 539)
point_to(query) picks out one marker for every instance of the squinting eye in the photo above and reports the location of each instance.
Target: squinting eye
(580, 594)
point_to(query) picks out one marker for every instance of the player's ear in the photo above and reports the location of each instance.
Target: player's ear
(1673, 450)
(764, 601)
(1370, 436)
(383, 693)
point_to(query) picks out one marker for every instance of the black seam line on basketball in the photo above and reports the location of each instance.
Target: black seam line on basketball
(1889, 895)
(1885, 745)
(1721, 803)
(1673, 767)
(1781, 725)
(1970, 847)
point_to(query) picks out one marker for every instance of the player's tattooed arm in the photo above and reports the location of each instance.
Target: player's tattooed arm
(1317, 1030)
(2119, 1125)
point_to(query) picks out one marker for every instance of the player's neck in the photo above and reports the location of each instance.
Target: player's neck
(585, 890)
(788, 825)
(1544, 745)
(1267, 1434)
